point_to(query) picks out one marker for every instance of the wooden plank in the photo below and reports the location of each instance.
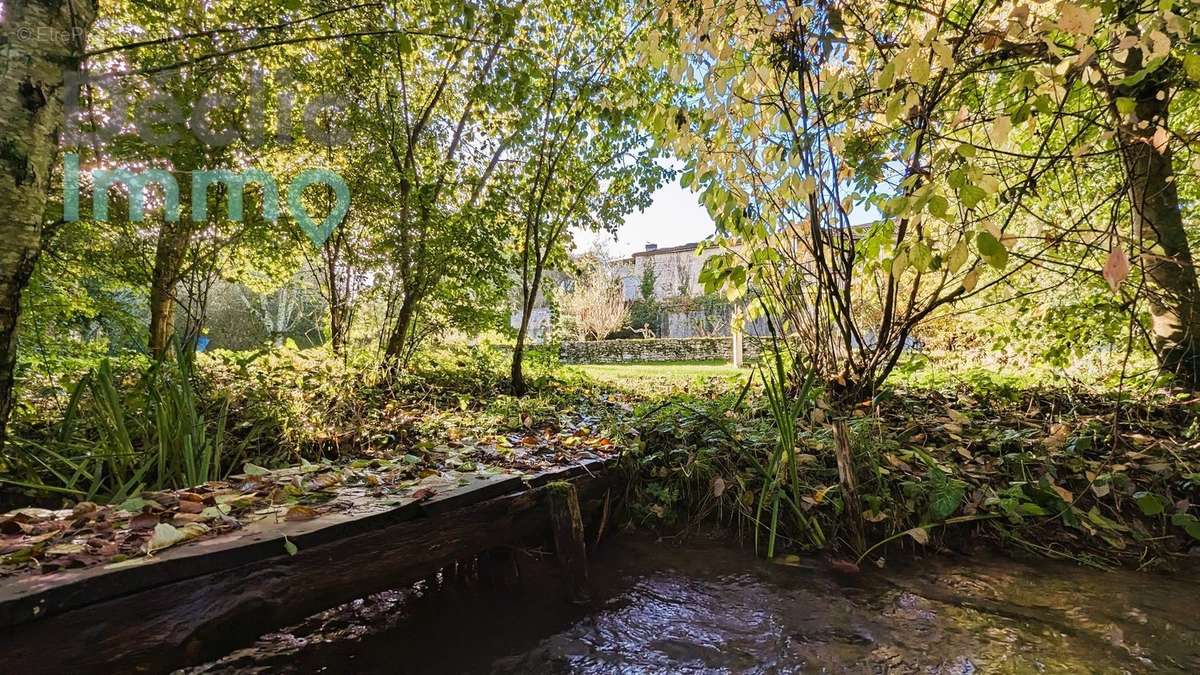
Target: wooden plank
(477, 489)
(30, 597)
(173, 615)
(590, 467)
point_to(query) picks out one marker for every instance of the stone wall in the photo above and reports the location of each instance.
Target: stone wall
(657, 349)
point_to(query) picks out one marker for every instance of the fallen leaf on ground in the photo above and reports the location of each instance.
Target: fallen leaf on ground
(167, 535)
(301, 513)
(423, 494)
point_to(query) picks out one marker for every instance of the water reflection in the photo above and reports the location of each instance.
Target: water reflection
(706, 607)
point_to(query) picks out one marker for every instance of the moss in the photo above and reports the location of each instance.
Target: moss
(559, 486)
(14, 158)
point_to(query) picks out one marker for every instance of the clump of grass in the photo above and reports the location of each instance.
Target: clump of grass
(115, 440)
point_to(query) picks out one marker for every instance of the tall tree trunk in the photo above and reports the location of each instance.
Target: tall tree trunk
(528, 300)
(1158, 228)
(38, 41)
(169, 253)
(518, 374)
(339, 303)
(397, 344)
(339, 328)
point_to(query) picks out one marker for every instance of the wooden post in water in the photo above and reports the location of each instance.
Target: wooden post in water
(567, 523)
(845, 464)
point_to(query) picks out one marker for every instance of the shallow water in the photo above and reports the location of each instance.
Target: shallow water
(708, 607)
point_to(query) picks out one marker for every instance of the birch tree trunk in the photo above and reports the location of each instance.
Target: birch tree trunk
(39, 40)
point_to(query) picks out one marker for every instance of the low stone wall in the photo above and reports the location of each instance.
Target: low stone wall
(657, 349)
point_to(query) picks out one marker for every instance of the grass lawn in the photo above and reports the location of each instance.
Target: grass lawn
(662, 371)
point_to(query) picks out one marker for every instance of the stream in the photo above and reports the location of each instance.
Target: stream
(710, 607)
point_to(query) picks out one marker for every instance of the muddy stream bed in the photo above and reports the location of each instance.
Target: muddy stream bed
(711, 607)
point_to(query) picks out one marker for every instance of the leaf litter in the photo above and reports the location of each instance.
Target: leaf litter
(39, 540)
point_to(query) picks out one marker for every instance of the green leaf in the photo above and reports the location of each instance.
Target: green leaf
(1031, 509)
(289, 546)
(920, 255)
(1189, 523)
(136, 504)
(971, 195)
(1150, 503)
(1191, 64)
(945, 500)
(1126, 105)
(938, 206)
(1097, 518)
(1140, 75)
(251, 469)
(991, 250)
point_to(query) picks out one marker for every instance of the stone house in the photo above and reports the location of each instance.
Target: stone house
(676, 271)
(686, 310)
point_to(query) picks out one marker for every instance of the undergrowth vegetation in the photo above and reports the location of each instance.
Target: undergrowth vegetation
(1100, 478)
(128, 426)
(1104, 477)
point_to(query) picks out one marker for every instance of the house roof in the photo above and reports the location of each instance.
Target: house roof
(669, 249)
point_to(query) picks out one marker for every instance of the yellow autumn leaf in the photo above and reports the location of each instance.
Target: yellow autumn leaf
(919, 535)
(944, 53)
(1159, 45)
(969, 281)
(899, 264)
(1077, 20)
(957, 256)
(919, 71)
(1001, 128)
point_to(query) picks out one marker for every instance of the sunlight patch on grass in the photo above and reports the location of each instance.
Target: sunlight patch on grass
(676, 371)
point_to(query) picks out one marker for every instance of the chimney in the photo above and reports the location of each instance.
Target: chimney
(651, 247)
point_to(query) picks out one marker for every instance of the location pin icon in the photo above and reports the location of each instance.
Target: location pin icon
(318, 233)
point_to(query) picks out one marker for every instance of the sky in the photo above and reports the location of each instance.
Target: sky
(676, 217)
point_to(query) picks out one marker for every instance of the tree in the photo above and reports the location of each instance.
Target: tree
(591, 162)
(41, 40)
(1154, 67)
(162, 104)
(595, 305)
(977, 133)
(430, 112)
(281, 309)
(341, 281)
(646, 310)
(776, 173)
